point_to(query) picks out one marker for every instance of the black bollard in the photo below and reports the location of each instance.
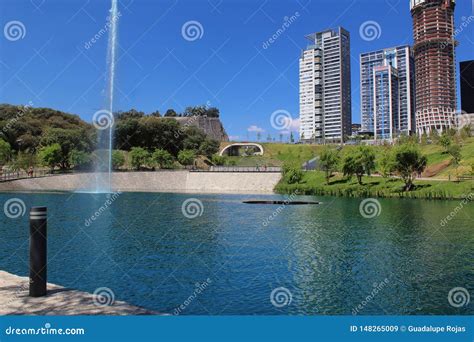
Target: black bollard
(38, 251)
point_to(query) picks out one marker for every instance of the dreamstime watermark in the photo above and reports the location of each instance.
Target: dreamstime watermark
(457, 209)
(18, 293)
(192, 30)
(459, 297)
(14, 30)
(46, 330)
(22, 110)
(287, 21)
(370, 208)
(370, 30)
(466, 21)
(110, 21)
(279, 209)
(111, 199)
(103, 119)
(103, 296)
(14, 208)
(377, 287)
(281, 297)
(199, 289)
(281, 119)
(192, 208)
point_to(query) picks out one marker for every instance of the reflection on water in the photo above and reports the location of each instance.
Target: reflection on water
(329, 258)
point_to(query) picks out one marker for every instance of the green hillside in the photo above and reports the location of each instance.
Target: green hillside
(434, 183)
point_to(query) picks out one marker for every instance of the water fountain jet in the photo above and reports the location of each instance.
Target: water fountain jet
(104, 119)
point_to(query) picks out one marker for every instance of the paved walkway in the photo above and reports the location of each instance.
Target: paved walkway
(14, 300)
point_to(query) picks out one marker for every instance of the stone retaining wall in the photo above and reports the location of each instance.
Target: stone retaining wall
(165, 181)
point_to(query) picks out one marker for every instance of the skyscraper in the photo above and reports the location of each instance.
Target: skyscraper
(467, 86)
(387, 92)
(325, 87)
(434, 49)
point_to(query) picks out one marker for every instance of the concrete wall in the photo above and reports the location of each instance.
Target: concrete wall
(166, 181)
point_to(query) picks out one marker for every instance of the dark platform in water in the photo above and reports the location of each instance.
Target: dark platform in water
(283, 202)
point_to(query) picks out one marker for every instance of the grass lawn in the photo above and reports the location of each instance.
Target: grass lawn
(278, 154)
(314, 183)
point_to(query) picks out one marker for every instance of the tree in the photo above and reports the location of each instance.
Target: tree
(455, 152)
(209, 147)
(434, 135)
(218, 160)
(162, 159)
(367, 156)
(292, 174)
(329, 160)
(353, 164)
(23, 161)
(118, 159)
(386, 164)
(5, 152)
(465, 132)
(68, 140)
(445, 141)
(51, 155)
(156, 114)
(79, 159)
(424, 139)
(186, 157)
(139, 157)
(409, 162)
(170, 113)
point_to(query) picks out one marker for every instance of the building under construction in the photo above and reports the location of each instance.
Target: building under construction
(434, 51)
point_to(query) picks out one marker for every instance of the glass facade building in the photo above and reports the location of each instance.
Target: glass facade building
(397, 66)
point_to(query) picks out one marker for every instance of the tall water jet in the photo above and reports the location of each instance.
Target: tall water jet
(104, 119)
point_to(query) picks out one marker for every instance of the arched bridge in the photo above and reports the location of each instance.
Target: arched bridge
(233, 149)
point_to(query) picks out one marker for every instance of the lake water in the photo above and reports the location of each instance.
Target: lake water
(323, 259)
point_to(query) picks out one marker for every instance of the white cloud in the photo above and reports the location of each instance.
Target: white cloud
(255, 129)
(234, 137)
(293, 126)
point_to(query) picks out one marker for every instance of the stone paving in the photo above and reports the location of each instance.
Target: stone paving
(59, 301)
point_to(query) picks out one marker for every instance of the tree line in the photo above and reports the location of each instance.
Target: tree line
(30, 137)
(403, 159)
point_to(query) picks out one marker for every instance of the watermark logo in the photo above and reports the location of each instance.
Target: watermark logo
(22, 111)
(14, 30)
(370, 208)
(469, 198)
(192, 208)
(281, 297)
(14, 208)
(192, 30)
(370, 30)
(111, 20)
(458, 297)
(103, 296)
(281, 119)
(110, 200)
(287, 21)
(377, 287)
(103, 119)
(200, 287)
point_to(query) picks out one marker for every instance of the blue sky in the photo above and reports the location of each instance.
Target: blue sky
(226, 66)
